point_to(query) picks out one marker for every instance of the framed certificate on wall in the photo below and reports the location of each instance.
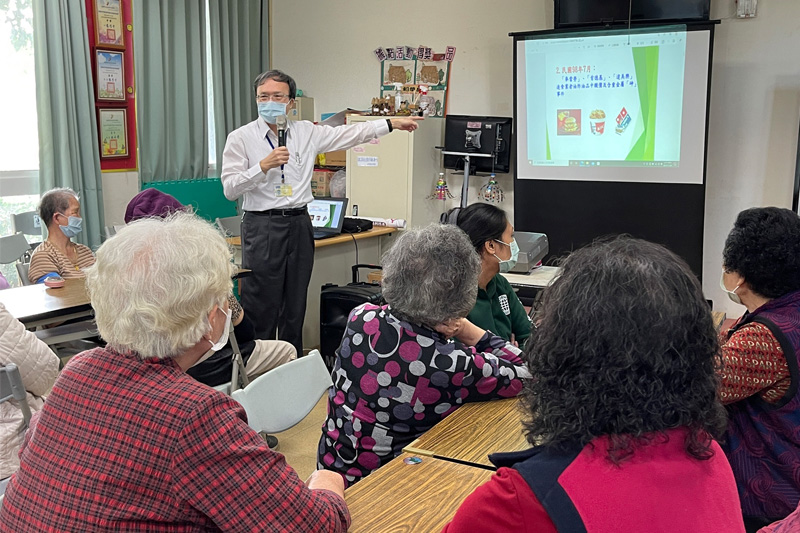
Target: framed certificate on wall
(113, 126)
(108, 24)
(110, 75)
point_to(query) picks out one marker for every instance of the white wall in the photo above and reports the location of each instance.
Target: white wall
(754, 116)
(755, 100)
(327, 47)
(118, 189)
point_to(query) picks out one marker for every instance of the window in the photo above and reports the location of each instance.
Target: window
(19, 159)
(212, 131)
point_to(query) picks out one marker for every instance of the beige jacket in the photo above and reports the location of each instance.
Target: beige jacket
(38, 366)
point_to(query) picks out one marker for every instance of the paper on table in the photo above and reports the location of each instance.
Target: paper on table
(387, 222)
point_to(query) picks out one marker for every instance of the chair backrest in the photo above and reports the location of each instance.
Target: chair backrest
(282, 397)
(11, 388)
(110, 231)
(13, 247)
(232, 226)
(22, 273)
(27, 223)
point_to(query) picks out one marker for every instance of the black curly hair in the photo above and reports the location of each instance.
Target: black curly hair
(626, 348)
(764, 248)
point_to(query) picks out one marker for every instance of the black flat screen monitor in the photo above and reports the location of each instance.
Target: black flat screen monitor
(572, 13)
(478, 135)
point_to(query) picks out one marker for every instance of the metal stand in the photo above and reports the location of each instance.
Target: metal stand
(465, 185)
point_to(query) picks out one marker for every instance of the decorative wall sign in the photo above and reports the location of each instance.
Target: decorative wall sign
(110, 75)
(108, 24)
(113, 126)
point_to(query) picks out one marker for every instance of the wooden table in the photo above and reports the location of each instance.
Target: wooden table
(36, 305)
(399, 497)
(718, 317)
(344, 237)
(474, 431)
(538, 278)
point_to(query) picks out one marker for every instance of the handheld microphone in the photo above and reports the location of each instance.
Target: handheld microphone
(280, 121)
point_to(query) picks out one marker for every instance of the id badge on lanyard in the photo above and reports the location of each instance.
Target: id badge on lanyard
(282, 189)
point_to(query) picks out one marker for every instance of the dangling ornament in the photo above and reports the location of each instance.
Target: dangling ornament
(441, 192)
(492, 192)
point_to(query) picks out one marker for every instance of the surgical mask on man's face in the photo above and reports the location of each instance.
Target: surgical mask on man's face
(731, 294)
(270, 111)
(507, 264)
(73, 227)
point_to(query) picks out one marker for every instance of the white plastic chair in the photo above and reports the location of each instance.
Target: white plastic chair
(284, 396)
(27, 223)
(22, 273)
(13, 248)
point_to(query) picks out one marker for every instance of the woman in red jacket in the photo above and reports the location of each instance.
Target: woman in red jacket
(623, 407)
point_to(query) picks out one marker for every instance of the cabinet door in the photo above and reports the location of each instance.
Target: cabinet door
(378, 176)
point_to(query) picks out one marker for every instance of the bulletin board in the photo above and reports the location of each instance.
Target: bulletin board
(414, 67)
(111, 48)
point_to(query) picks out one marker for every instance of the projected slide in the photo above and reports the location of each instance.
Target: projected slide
(608, 105)
(613, 100)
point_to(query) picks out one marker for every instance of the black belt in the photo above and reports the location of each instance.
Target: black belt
(282, 212)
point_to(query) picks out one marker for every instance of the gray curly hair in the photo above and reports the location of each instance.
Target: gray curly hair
(430, 275)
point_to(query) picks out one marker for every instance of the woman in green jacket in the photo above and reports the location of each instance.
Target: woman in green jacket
(498, 308)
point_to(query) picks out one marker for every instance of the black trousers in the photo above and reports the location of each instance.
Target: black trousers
(279, 249)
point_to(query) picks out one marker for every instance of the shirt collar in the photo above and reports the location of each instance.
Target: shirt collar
(263, 128)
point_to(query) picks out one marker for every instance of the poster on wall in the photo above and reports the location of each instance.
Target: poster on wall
(110, 75)
(423, 73)
(113, 125)
(108, 24)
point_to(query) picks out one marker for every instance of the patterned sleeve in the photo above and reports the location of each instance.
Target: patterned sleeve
(235, 307)
(753, 363)
(497, 368)
(226, 471)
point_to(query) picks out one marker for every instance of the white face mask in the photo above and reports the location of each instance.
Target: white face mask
(223, 339)
(731, 294)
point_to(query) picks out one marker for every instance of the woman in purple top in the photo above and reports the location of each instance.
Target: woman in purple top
(397, 370)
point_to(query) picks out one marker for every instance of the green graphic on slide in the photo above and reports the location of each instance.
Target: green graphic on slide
(645, 60)
(547, 137)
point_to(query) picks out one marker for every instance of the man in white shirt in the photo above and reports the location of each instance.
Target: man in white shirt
(275, 185)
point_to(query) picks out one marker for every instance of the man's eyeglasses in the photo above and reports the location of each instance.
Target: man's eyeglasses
(277, 97)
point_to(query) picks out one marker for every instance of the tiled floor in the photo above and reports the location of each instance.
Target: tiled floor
(299, 444)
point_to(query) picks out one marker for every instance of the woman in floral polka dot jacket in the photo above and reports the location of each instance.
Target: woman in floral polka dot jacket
(396, 373)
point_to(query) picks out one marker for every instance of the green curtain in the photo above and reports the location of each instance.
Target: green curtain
(69, 151)
(239, 52)
(170, 58)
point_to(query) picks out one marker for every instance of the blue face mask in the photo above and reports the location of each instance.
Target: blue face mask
(270, 110)
(507, 264)
(73, 227)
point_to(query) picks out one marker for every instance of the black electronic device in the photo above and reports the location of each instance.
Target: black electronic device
(281, 123)
(336, 303)
(576, 13)
(482, 136)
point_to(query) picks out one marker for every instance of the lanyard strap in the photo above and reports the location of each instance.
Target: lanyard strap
(283, 179)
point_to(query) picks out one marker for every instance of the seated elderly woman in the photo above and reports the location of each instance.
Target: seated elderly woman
(259, 355)
(622, 409)
(60, 211)
(127, 440)
(761, 270)
(396, 374)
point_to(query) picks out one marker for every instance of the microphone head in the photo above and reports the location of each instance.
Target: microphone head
(280, 121)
